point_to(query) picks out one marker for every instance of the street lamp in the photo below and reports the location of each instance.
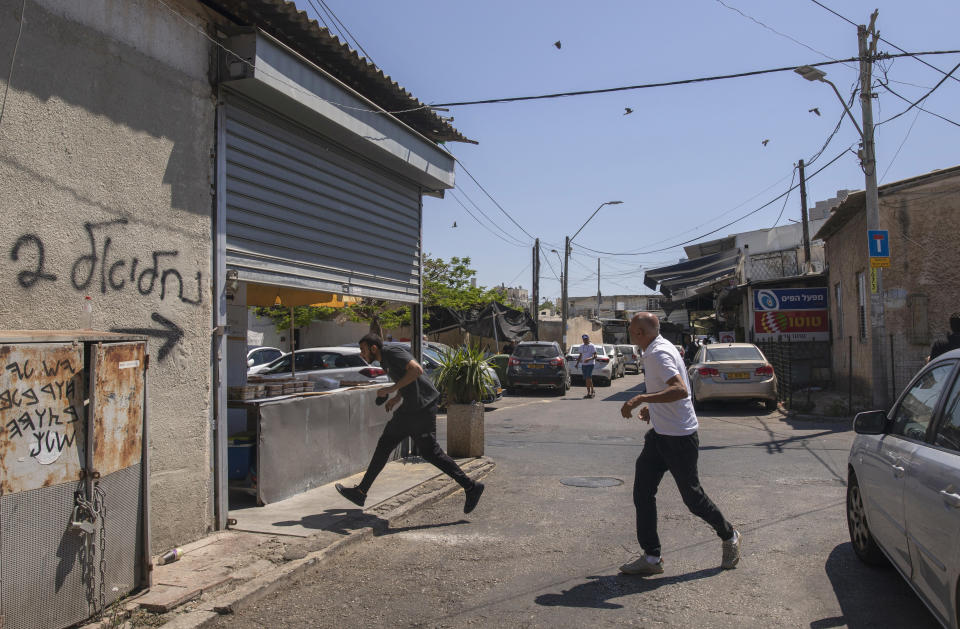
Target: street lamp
(566, 263)
(871, 197)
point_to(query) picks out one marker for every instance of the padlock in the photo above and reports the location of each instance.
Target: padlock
(81, 525)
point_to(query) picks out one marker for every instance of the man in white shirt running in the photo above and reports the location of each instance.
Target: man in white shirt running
(671, 445)
(587, 356)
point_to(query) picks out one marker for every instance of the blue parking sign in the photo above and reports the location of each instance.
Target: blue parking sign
(878, 243)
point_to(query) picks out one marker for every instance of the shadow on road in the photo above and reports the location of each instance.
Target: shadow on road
(598, 592)
(871, 597)
(342, 521)
(626, 394)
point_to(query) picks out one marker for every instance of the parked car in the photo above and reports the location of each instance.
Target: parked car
(683, 352)
(262, 355)
(323, 363)
(603, 370)
(903, 486)
(631, 357)
(431, 360)
(538, 364)
(732, 371)
(616, 357)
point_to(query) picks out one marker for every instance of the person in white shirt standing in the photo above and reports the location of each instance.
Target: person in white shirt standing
(588, 357)
(670, 445)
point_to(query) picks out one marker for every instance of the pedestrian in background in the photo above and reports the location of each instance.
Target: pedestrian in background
(588, 358)
(416, 418)
(941, 346)
(508, 348)
(670, 445)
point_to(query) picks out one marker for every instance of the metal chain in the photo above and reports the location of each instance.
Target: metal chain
(101, 510)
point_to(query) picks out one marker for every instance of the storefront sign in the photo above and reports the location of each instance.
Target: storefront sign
(795, 314)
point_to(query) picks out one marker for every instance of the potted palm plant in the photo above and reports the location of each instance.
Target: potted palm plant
(462, 378)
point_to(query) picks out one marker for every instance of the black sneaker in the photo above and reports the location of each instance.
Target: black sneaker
(473, 497)
(353, 494)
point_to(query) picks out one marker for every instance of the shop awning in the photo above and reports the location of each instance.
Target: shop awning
(694, 277)
(270, 295)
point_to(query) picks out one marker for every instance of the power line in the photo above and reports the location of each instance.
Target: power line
(752, 212)
(888, 42)
(769, 28)
(455, 198)
(922, 98)
(927, 111)
(13, 57)
(513, 99)
(489, 196)
(347, 30)
(786, 198)
(550, 266)
(884, 176)
(490, 220)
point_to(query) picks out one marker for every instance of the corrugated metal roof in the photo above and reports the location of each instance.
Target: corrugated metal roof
(856, 201)
(284, 21)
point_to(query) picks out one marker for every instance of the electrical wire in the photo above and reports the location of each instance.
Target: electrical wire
(320, 16)
(887, 42)
(884, 176)
(922, 98)
(786, 198)
(737, 220)
(706, 79)
(13, 57)
(550, 266)
(347, 30)
(467, 210)
(490, 220)
(773, 30)
(817, 155)
(517, 276)
(489, 196)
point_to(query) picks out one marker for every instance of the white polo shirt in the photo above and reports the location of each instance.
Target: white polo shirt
(661, 361)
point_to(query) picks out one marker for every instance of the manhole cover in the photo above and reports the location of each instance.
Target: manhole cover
(591, 481)
(610, 438)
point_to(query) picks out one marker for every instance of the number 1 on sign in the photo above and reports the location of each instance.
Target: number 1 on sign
(873, 281)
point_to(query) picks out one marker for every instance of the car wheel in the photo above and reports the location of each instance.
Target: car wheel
(770, 405)
(864, 545)
(608, 382)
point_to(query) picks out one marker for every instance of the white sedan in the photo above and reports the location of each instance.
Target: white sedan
(323, 363)
(604, 370)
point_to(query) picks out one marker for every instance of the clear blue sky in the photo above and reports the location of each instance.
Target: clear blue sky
(689, 158)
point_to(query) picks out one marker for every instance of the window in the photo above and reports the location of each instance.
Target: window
(349, 360)
(654, 303)
(536, 351)
(861, 305)
(916, 409)
(948, 434)
(733, 353)
(838, 300)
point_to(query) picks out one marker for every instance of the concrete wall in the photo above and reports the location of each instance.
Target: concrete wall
(105, 188)
(921, 289)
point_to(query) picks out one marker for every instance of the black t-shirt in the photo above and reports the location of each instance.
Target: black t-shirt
(417, 395)
(944, 346)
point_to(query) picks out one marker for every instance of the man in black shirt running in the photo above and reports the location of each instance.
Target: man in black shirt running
(416, 418)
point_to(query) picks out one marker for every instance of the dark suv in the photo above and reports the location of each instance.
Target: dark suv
(538, 364)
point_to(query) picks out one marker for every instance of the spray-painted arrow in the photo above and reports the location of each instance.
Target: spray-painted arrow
(172, 333)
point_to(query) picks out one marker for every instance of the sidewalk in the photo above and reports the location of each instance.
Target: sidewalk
(228, 569)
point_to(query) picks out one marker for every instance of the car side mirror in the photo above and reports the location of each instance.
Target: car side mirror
(870, 423)
(250, 363)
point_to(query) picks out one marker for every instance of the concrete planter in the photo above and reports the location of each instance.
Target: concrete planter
(465, 430)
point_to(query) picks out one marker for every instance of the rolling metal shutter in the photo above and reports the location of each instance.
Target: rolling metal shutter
(304, 213)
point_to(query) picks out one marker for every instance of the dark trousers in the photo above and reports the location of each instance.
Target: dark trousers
(421, 426)
(678, 455)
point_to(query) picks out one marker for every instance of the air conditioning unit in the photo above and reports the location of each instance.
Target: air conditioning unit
(74, 532)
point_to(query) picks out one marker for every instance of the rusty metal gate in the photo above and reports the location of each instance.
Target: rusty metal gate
(73, 500)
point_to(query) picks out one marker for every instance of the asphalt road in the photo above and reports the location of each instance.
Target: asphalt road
(539, 553)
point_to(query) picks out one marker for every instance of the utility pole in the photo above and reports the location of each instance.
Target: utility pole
(536, 289)
(807, 266)
(563, 291)
(867, 51)
(598, 288)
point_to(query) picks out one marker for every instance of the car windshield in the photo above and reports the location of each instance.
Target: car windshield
(626, 349)
(536, 351)
(732, 353)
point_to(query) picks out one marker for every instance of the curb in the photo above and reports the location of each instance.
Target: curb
(430, 491)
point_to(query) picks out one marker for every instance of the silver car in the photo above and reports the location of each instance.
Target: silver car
(732, 371)
(616, 357)
(631, 357)
(903, 487)
(324, 365)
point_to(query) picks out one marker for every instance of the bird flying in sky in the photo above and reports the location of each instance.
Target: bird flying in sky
(454, 225)
(764, 142)
(815, 110)
(557, 44)
(627, 111)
